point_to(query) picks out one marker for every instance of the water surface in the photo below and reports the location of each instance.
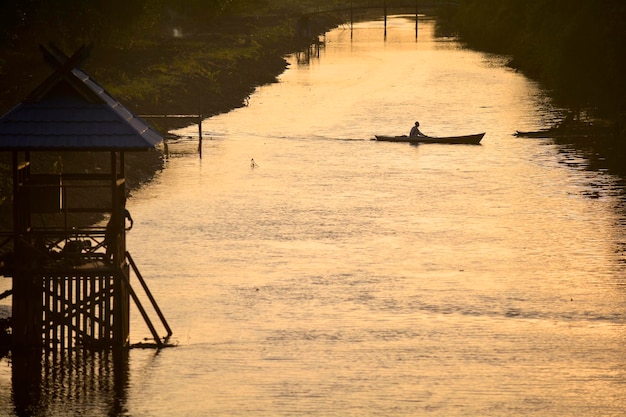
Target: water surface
(343, 276)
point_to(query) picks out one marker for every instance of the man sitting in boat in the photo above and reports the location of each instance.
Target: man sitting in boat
(415, 131)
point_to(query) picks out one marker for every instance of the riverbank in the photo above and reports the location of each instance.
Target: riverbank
(207, 70)
(576, 50)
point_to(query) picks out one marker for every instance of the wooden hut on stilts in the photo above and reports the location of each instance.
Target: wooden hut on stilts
(72, 280)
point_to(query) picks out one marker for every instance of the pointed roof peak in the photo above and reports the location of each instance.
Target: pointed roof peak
(63, 81)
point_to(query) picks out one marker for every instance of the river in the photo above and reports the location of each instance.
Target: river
(343, 276)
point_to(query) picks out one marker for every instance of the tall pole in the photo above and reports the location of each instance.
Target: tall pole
(385, 13)
(416, 18)
(200, 135)
(351, 19)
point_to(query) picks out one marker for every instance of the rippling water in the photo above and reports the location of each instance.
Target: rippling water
(343, 276)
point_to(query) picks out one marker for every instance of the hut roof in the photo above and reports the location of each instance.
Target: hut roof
(70, 111)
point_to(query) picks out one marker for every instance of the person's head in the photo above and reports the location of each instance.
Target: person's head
(417, 124)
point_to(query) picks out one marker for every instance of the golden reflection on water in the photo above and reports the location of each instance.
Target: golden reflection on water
(345, 276)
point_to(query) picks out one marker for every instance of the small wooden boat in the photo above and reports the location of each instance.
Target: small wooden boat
(466, 140)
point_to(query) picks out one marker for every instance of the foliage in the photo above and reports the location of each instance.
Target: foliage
(67, 21)
(156, 56)
(70, 23)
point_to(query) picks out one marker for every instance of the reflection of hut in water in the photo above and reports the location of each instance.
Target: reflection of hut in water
(304, 56)
(94, 382)
(71, 280)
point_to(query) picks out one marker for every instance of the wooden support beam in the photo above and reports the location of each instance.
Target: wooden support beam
(149, 294)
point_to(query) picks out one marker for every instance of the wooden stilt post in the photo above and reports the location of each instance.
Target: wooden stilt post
(121, 310)
(27, 288)
(27, 312)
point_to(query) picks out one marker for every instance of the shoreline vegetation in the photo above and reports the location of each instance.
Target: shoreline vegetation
(172, 57)
(576, 49)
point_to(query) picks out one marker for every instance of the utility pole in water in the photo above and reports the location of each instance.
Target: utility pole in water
(416, 18)
(385, 13)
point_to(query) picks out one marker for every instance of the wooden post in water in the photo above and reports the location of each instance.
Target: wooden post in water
(200, 136)
(416, 18)
(351, 19)
(180, 116)
(385, 14)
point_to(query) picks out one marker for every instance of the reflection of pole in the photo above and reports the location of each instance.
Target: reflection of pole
(35, 379)
(200, 136)
(26, 379)
(120, 380)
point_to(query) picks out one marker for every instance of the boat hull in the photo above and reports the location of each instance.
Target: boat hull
(463, 140)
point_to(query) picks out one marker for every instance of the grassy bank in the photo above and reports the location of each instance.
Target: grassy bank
(186, 66)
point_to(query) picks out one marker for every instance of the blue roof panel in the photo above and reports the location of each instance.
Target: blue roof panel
(62, 121)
